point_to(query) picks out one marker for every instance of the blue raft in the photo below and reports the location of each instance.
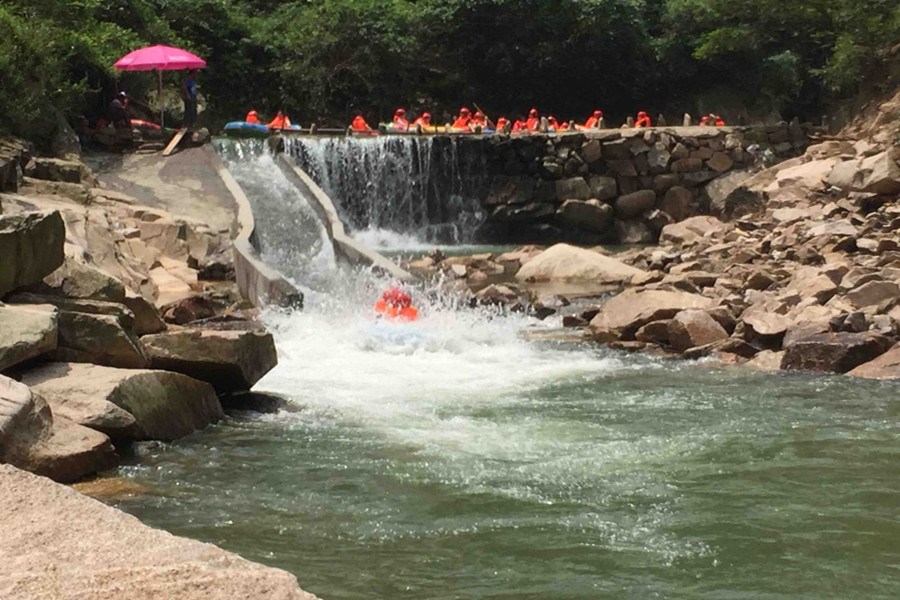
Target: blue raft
(245, 130)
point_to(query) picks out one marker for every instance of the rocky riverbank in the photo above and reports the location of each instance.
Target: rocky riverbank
(798, 268)
(120, 322)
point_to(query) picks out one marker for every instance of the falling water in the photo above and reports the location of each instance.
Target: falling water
(400, 191)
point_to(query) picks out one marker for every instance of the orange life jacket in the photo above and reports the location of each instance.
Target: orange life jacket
(396, 313)
(643, 120)
(532, 123)
(502, 122)
(359, 124)
(401, 123)
(423, 121)
(720, 122)
(280, 122)
(519, 126)
(462, 122)
(252, 118)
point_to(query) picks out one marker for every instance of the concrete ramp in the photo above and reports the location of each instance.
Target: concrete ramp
(345, 247)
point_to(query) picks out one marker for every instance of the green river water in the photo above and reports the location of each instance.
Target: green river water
(463, 461)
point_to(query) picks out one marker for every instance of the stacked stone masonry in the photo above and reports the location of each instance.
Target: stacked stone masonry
(619, 185)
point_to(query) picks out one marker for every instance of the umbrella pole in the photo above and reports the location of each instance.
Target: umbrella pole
(162, 118)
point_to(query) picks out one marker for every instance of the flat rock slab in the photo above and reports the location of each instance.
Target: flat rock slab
(127, 404)
(229, 360)
(26, 332)
(59, 544)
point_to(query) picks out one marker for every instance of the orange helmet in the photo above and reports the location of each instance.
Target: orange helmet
(533, 112)
(598, 113)
(426, 115)
(464, 111)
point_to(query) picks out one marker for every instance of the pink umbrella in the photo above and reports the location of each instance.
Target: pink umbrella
(159, 58)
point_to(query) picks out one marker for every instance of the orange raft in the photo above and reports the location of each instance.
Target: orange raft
(396, 305)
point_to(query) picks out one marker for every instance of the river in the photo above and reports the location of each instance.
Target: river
(458, 458)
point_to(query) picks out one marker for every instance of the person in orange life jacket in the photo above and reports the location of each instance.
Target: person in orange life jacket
(396, 305)
(643, 120)
(479, 120)
(424, 120)
(720, 122)
(399, 122)
(533, 123)
(553, 125)
(502, 122)
(359, 123)
(252, 118)
(594, 120)
(281, 121)
(704, 121)
(463, 120)
(519, 126)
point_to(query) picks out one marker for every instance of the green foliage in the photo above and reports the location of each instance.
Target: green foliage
(322, 59)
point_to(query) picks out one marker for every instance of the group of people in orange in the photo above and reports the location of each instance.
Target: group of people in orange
(396, 305)
(478, 122)
(280, 121)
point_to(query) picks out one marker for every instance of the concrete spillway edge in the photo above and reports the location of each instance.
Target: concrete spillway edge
(345, 247)
(258, 282)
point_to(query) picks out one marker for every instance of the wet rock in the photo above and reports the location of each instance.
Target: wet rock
(834, 352)
(633, 232)
(126, 404)
(27, 332)
(603, 188)
(624, 314)
(510, 190)
(260, 402)
(563, 262)
(692, 328)
(31, 247)
(190, 309)
(32, 438)
(229, 360)
(655, 332)
(497, 295)
(886, 366)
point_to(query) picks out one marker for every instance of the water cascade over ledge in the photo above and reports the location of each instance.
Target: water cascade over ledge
(400, 191)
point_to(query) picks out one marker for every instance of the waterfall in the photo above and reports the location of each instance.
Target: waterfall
(400, 190)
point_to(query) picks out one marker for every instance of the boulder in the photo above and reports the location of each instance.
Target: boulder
(886, 366)
(55, 169)
(624, 314)
(882, 173)
(31, 247)
(633, 205)
(563, 262)
(690, 230)
(59, 543)
(590, 215)
(872, 293)
(27, 332)
(574, 187)
(33, 438)
(126, 404)
(720, 162)
(767, 360)
(229, 360)
(77, 279)
(654, 332)
(677, 203)
(510, 190)
(765, 326)
(693, 328)
(603, 188)
(497, 295)
(834, 352)
(146, 317)
(102, 339)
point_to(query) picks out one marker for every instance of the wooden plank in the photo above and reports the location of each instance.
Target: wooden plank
(175, 141)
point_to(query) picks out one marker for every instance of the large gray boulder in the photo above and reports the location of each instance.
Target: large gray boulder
(633, 205)
(566, 263)
(33, 438)
(834, 352)
(624, 314)
(31, 247)
(60, 544)
(26, 332)
(127, 404)
(229, 360)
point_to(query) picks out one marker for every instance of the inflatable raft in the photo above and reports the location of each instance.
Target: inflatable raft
(245, 130)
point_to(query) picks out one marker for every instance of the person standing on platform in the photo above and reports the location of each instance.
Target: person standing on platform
(189, 94)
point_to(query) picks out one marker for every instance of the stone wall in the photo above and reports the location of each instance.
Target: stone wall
(620, 185)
